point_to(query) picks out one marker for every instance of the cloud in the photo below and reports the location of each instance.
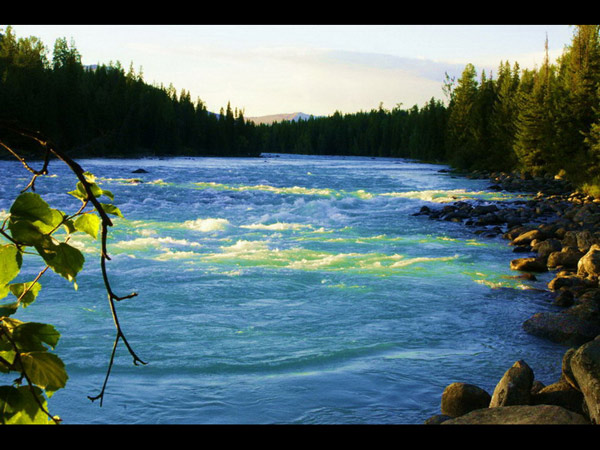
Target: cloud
(417, 67)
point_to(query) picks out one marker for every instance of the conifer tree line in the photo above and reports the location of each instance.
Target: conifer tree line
(105, 111)
(543, 121)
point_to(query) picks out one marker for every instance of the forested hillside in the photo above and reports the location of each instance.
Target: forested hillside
(541, 121)
(105, 111)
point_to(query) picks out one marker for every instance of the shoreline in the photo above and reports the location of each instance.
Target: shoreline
(558, 231)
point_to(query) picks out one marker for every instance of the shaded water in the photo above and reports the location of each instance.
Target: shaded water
(291, 289)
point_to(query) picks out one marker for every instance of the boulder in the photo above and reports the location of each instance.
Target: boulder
(570, 239)
(589, 264)
(461, 398)
(520, 415)
(544, 248)
(515, 231)
(528, 236)
(529, 265)
(585, 365)
(437, 419)
(562, 394)
(585, 239)
(566, 372)
(139, 171)
(564, 327)
(565, 280)
(515, 386)
(565, 298)
(567, 258)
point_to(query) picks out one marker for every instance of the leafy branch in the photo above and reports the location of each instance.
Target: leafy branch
(33, 223)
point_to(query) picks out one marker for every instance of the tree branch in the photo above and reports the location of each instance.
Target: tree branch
(106, 222)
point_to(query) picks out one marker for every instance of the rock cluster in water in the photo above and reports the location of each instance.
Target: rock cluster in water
(557, 230)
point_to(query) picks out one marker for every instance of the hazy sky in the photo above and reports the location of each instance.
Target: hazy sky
(315, 69)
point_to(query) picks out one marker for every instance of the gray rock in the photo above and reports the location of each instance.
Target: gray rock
(461, 398)
(515, 386)
(585, 365)
(520, 415)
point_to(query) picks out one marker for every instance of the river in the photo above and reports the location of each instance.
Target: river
(286, 289)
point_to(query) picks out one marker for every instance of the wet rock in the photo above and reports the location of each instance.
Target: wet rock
(529, 265)
(585, 365)
(515, 231)
(520, 415)
(515, 386)
(139, 171)
(461, 398)
(528, 236)
(563, 327)
(524, 276)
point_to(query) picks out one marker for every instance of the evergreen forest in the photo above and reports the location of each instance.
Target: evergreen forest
(543, 121)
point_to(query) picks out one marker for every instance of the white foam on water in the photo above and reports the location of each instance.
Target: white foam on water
(451, 195)
(278, 226)
(207, 225)
(170, 255)
(156, 242)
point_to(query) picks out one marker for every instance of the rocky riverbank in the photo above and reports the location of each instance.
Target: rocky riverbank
(553, 229)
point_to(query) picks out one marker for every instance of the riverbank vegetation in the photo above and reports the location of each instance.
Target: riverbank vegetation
(543, 121)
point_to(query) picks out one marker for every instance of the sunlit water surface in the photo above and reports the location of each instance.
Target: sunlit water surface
(288, 289)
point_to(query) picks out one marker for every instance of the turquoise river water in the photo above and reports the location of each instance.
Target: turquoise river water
(283, 290)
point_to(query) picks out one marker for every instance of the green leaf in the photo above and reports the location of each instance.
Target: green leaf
(64, 259)
(32, 291)
(89, 177)
(45, 370)
(9, 357)
(30, 206)
(111, 209)
(18, 405)
(8, 309)
(31, 336)
(108, 193)
(96, 190)
(10, 265)
(69, 226)
(25, 232)
(78, 194)
(88, 223)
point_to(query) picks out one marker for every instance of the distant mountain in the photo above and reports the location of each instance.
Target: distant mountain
(293, 117)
